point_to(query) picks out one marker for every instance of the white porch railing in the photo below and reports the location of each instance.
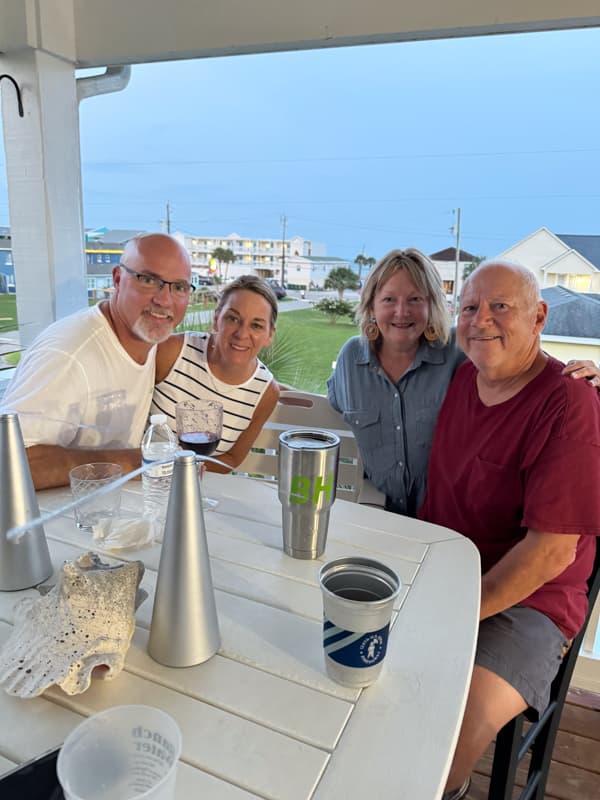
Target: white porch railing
(587, 669)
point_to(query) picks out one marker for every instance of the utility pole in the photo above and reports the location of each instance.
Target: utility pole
(168, 219)
(283, 223)
(456, 263)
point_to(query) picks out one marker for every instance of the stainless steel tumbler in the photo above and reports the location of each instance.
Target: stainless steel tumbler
(24, 561)
(358, 600)
(308, 465)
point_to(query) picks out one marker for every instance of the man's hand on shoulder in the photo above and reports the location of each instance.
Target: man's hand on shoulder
(583, 369)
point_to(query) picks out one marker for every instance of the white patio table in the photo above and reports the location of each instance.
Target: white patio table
(261, 718)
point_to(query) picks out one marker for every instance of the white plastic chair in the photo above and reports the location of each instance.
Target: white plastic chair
(305, 410)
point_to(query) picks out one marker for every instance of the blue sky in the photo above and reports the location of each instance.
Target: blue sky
(369, 147)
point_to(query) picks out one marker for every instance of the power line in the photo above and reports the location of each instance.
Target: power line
(331, 159)
(353, 201)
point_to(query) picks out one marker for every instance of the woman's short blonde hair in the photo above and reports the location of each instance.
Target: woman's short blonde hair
(426, 278)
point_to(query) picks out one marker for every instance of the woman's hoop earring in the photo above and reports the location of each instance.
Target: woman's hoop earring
(371, 330)
(430, 334)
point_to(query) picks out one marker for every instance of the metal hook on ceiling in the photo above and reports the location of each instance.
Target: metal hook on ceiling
(17, 90)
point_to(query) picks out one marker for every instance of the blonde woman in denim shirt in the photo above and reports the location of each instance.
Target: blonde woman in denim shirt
(390, 382)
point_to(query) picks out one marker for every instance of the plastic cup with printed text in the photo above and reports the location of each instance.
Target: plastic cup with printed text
(125, 752)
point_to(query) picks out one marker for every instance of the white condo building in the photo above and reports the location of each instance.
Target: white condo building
(305, 264)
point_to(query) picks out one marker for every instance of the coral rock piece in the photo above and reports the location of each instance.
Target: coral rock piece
(85, 621)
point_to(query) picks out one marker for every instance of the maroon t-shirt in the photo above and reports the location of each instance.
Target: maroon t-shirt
(530, 462)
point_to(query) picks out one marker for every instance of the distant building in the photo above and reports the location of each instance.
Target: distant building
(445, 261)
(572, 330)
(305, 263)
(103, 251)
(309, 272)
(7, 272)
(568, 260)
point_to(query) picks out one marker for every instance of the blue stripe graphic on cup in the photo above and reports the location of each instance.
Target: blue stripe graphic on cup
(354, 649)
(332, 635)
(345, 639)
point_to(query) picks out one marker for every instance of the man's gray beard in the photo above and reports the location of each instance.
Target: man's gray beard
(139, 329)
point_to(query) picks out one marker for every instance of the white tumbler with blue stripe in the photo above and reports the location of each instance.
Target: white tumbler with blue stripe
(358, 601)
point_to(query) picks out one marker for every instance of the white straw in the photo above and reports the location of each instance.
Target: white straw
(17, 533)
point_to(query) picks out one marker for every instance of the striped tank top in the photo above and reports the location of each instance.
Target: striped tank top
(191, 378)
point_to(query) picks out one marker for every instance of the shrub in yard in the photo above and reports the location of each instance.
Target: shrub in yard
(335, 308)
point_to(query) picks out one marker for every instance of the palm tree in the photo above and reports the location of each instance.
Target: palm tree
(360, 261)
(341, 278)
(223, 255)
(364, 261)
(469, 268)
(370, 262)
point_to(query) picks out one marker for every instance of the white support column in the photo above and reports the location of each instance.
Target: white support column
(43, 166)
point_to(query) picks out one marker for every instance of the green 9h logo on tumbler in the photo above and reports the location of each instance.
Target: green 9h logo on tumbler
(305, 490)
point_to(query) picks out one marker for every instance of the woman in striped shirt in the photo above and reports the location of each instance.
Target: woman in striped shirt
(224, 366)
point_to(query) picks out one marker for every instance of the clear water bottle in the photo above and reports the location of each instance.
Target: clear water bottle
(159, 442)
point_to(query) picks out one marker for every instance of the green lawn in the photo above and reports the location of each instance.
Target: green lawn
(8, 312)
(305, 345)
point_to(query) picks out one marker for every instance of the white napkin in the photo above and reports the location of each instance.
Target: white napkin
(125, 532)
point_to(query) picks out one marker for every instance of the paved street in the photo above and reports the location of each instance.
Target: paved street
(294, 302)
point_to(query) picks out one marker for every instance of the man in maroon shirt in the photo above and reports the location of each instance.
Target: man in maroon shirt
(515, 466)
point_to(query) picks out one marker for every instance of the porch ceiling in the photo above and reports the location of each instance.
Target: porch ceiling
(100, 32)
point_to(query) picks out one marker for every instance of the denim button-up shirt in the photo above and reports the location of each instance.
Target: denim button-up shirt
(393, 422)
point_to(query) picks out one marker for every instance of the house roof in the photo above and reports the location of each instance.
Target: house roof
(99, 269)
(325, 259)
(449, 254)
(588, 246)
(103, 246)
(572, 313)
(115, 236)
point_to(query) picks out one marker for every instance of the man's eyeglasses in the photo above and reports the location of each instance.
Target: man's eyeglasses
(152, 283)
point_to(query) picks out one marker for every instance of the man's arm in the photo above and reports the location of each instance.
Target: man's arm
(50, 464)
(535, 560)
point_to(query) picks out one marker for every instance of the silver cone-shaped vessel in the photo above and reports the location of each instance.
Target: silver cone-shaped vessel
(24, 561)
(185, 628)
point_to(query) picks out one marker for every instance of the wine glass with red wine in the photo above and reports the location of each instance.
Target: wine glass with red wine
(199, 426)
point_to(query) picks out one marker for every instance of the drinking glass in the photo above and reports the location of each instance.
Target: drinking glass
(88, 478)
(199, 426)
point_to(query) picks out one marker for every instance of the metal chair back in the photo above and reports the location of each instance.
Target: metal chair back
(512, 745)
(306, 410)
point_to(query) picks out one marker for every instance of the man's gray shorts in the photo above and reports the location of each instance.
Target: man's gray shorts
(524, 647)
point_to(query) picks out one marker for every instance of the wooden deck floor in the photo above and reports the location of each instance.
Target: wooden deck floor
(575, 770)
